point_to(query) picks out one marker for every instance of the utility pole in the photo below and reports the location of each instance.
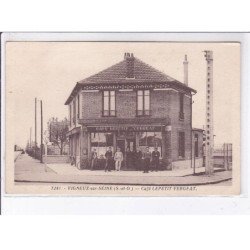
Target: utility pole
(35, 128)
(195, 143)
(30, 135)
(209, 130)
(41, 131)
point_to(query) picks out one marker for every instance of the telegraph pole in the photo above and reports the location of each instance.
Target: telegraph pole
(209, 130)
(41, 131)
(35, 128)
(30, 135)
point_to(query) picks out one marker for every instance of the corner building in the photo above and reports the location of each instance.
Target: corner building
(131, 105)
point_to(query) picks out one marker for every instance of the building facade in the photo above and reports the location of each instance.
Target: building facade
(131, 105)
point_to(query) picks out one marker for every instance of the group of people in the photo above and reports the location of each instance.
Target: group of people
(141, 161)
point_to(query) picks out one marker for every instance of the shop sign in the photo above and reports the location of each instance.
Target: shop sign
(125, 128)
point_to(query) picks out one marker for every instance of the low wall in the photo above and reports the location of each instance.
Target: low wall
(184, 164)
(56, 159)
(16, 154)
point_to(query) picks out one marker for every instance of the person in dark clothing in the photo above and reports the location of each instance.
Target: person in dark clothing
(155, 159)
(138, 159)
(129, 160)
(93, 159)
(147, 158)
(109, 160)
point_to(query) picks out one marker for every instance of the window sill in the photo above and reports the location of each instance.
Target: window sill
(143, 115)
(108, 115)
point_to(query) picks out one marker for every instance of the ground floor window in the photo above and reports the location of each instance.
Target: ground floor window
(151, 140)
(181, 144)
(101, 142)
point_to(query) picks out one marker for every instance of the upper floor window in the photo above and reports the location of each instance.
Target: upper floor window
(109, 108)
(181, 114)
(143, 102)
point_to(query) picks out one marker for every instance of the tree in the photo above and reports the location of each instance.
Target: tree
(57, 132)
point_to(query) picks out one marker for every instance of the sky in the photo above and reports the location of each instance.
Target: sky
(50, 70)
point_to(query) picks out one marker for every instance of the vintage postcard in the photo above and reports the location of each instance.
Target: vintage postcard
(122, 118)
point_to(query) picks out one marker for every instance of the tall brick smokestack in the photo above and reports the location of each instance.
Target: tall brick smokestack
(185, 65)
(130, 65)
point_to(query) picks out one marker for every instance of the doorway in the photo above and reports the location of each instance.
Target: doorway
(129, 157)
(121, 144)
(131, 144)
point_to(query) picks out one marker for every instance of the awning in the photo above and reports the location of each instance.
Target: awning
(74, 131)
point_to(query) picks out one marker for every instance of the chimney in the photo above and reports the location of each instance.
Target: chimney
(129, 65)
(185, 65)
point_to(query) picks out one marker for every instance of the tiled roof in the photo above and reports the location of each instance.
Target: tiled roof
(116, 74)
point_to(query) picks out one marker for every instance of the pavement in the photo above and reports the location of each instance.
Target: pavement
(28, 169)
(16, 154)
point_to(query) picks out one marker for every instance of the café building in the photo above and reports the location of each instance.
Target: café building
(132, 105)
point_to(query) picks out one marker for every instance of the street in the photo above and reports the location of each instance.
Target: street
(29, 170)
(27, 164)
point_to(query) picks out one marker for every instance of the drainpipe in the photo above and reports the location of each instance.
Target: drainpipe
(191, 124)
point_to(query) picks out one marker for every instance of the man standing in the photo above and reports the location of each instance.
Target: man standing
(93, 159)
(138, 159)
(108, 156)
(147, 158)
(128, 158)
(118, 159)
(155, 159)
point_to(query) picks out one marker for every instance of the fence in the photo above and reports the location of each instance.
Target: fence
(60, 159)
(223, 156)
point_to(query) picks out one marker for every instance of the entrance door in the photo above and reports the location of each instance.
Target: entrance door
(130, 164)
(131, 144)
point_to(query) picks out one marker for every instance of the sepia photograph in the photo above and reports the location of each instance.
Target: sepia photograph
(122, 118)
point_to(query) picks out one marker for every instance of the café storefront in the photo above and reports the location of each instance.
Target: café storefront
(128, 136)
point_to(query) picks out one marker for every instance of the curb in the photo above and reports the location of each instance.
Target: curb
(129, 184)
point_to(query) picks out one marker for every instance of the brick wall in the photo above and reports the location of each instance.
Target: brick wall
(92, 105)
(126, 104)
(160, 103)
(56, 159)
(178, 125)
(164, 103)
